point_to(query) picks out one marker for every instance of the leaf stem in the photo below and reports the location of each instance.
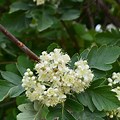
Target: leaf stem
(19, 44)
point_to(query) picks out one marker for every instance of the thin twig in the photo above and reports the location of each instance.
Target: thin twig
(104, 8)
(19, 44)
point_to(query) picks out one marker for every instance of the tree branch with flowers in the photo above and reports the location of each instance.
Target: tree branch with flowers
(75, 78)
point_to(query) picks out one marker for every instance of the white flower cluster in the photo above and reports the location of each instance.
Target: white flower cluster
(54, 79)
(114, 82)
(39, 2)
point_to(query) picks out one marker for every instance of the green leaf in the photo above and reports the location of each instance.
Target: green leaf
(21, 69)
(12, 68)
(97, 83)
(74, 59)
(11, 77)
(87, 115)
(29, 113)
(15, 22)
(104, 99)
(21, 99)
(16, 91)
(70, 14)
(24, 62)
(84, 54)
(108, 38)
(67, 112)
(54, 113)
(102, 58)
(86, 100)
(51, 47)
(45, 21)
(26, 107)
(60, 113)
(16, 6)
(73, 105)
(5, 86)
(98, 74)
(82, 33)
(68, 115)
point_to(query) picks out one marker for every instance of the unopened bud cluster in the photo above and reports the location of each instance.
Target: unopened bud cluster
(54, 79)
(114, 82)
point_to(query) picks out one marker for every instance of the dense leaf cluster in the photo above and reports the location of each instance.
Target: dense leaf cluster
(70, 24)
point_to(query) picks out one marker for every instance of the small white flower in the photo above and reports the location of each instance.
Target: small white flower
(54, 79)
(109, 27)
(114, 82)
(98, 28)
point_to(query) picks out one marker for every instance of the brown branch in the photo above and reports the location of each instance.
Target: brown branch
(19, 44)
(104, 8)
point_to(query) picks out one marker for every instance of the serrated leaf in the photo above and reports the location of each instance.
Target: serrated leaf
(27, 116)
(104, 99)
(86, 100)
(29, 113)
(4, 89)
(11, 77)
(102, 58)
(26, 107)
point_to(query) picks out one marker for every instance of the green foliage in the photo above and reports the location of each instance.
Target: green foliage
(104, 99)
(100, 97)
(4, 89)
(67, 24)
(102, 58)
(11, 85)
